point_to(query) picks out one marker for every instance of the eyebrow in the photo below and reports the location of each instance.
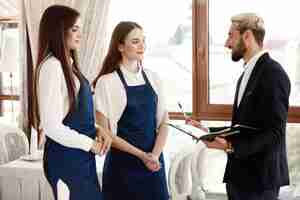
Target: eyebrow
(76, 26)
(138, 38)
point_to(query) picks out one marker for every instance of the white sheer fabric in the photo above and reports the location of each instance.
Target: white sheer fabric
(2, 39)
(9, 8)
(94, 19)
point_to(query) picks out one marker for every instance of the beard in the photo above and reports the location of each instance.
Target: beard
(239, 51)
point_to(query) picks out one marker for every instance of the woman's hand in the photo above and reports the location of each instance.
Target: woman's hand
(104, 138)
(96, 147)
(153, 164)
(151, 161)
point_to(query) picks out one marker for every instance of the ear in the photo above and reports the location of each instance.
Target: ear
(247, 37)
(121, 47)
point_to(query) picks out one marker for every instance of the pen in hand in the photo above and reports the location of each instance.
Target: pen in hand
(181, 109)
(189, 121)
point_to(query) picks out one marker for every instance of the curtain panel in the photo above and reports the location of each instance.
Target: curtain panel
(94, 15)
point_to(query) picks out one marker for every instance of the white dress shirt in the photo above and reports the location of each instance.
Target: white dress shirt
(111, 99)
(54, 105)
(247, 73)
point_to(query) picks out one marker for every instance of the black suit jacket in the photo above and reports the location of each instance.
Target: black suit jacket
(259, 161)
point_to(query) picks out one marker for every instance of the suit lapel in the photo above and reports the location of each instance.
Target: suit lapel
(236, 95)
(252, 82)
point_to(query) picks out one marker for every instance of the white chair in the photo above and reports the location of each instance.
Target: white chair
(3, 154)
(187, 173)
(13, 143)
(296, 192)
(180, 178)
(197, 170)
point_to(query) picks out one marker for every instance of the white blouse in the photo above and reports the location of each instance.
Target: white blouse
(111, 99)
(54, 105)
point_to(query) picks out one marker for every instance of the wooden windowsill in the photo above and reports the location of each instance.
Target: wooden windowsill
(5, 97)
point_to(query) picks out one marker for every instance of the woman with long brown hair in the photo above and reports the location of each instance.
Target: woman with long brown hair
(130, 102)
(64, 109)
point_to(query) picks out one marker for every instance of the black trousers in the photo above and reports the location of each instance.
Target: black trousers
(235, 193)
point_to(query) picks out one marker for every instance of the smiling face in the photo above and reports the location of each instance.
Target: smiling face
(74, 35)
(133, 47)
(236, 43)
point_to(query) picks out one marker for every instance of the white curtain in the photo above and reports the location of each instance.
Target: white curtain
(94, 36)
(2, 28)
(9, 8)
(94, 17)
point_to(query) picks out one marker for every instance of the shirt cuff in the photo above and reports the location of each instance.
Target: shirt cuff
(87, 143)
(208, 130)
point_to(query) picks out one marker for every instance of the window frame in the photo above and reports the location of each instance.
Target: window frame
(202, 108)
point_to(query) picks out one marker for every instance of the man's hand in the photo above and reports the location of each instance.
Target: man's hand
(190, 121)
(218, 143)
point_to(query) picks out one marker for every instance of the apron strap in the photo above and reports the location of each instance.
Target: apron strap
(147, 81)
(122, 78)
(119, 72)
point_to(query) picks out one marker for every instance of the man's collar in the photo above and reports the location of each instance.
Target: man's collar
(254, 58)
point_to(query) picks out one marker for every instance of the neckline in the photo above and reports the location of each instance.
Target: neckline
(121, 75)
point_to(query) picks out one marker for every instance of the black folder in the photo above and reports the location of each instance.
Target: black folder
(185, 131)
(226, 132)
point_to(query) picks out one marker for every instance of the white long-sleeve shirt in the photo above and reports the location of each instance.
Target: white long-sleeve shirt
(54, 105)
(111, 99)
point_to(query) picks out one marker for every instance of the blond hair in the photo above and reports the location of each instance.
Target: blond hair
(250, 21)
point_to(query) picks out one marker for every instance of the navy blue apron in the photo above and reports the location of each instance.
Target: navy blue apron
(75, 167)
(124, 175)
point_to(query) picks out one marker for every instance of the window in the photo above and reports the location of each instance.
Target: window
(9, 71)
(168, 30)
(217, 74)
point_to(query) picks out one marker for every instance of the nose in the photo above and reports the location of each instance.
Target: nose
(142, 46)
(228, 44)
(78, 34)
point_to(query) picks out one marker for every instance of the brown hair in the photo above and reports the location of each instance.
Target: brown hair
(113, 57)
(54, 26)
